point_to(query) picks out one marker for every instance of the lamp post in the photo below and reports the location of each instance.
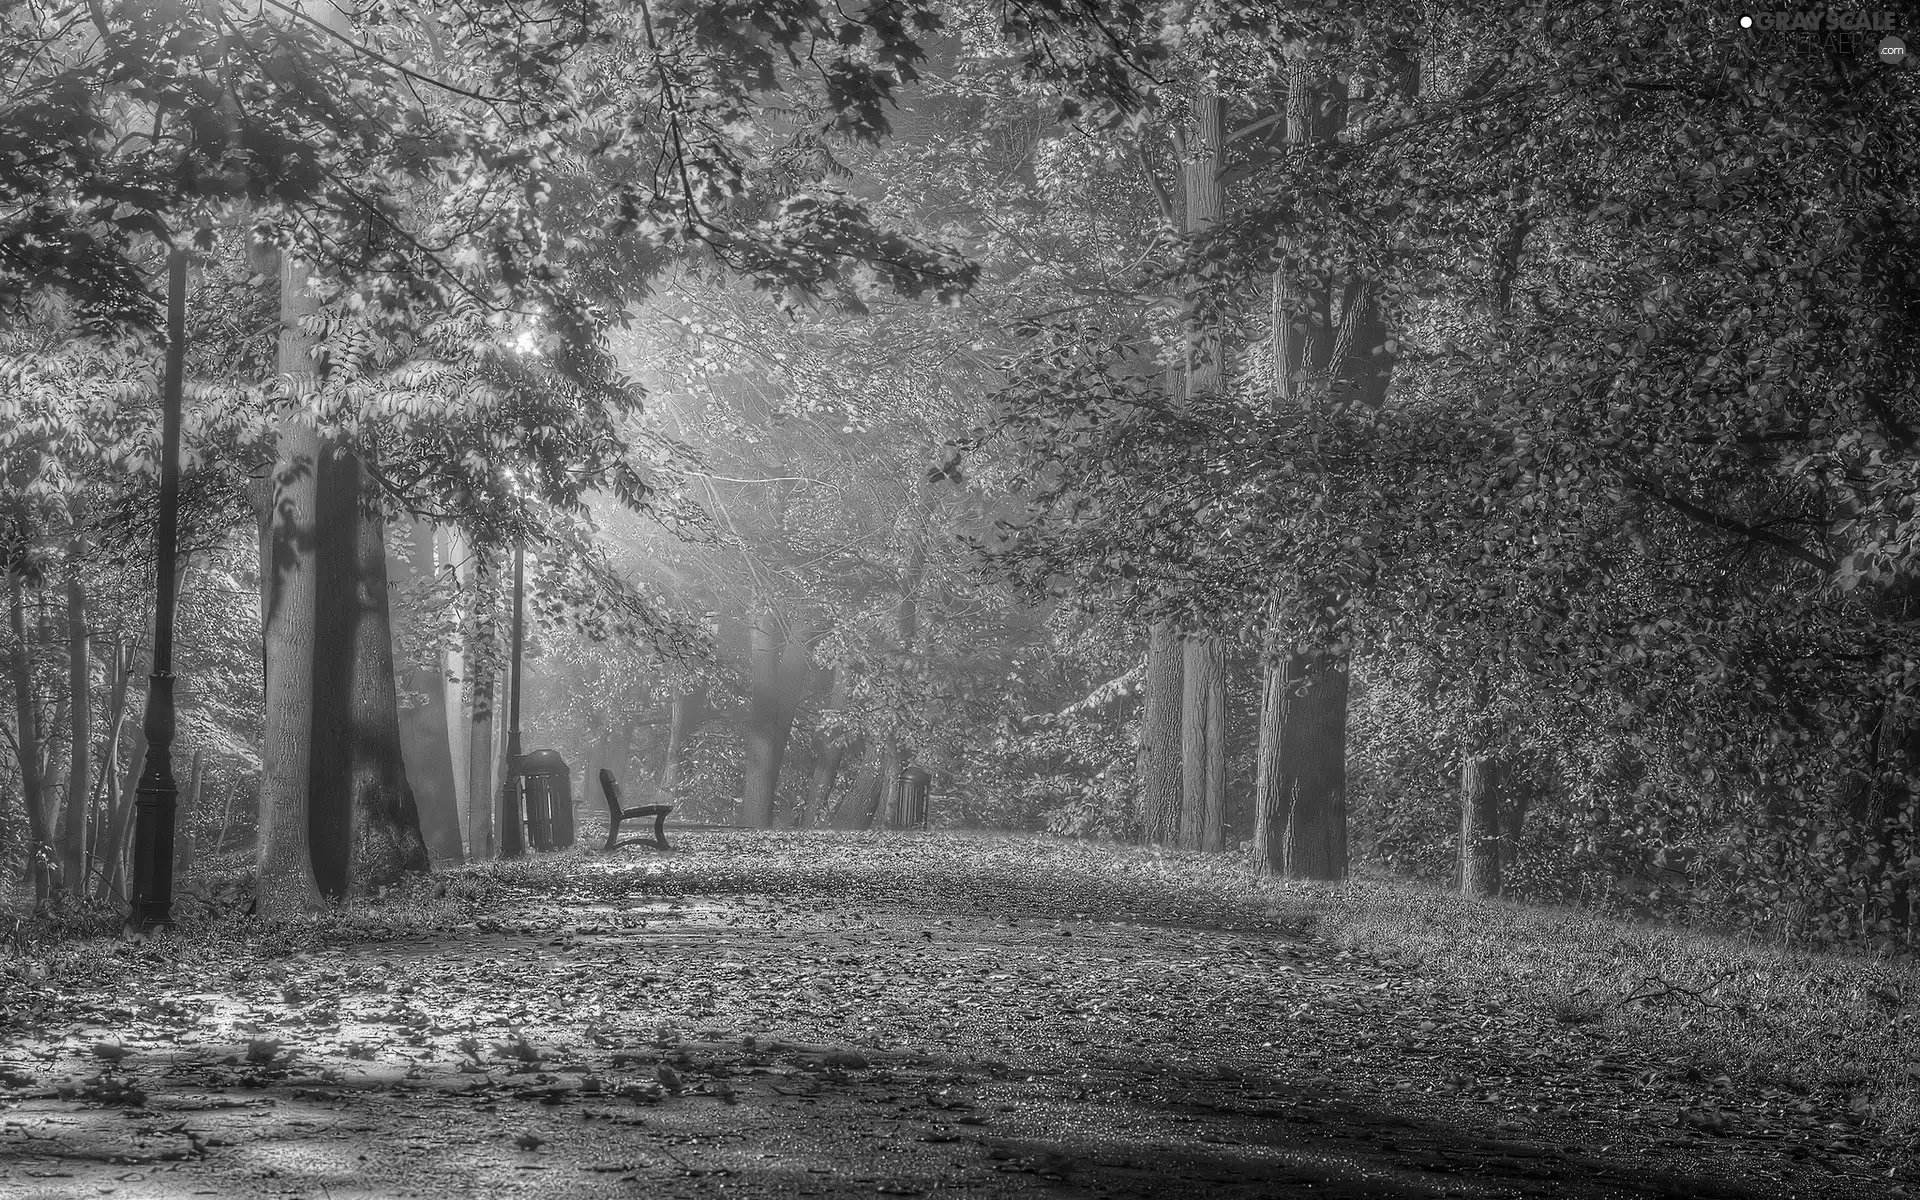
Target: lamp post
(512, 837)
(157, 792)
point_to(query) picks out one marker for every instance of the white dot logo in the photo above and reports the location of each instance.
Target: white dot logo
(1746, 22)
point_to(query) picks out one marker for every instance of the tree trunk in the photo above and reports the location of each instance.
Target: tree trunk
(1300, 797)
(286, 879)
(330, 762)
(424, 737)
(1213, 833)
(689, 712)
(829, 750)
(600, 758)
(226, 817)
(27, 742)
(112, 852)
(387, 843)
(453, 667)
(1269, 801)
(73, 844)
(120, 666)
(1513, 821)
(1480, 779)
(189, 804)
(1302, 800)
(862, 799)
(481, 655)
(1202, 789)
(879, 801)
(778, 663)
(1159, 750)
(1313, 748)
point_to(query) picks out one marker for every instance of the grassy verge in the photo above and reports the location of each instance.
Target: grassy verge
(1843, 1028)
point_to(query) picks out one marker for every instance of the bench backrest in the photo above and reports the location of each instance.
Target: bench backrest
(610, 786)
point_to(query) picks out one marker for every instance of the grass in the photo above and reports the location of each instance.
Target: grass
(1835, 1026)
(1828, 1022)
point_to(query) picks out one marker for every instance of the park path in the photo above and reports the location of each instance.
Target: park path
(747, 1018)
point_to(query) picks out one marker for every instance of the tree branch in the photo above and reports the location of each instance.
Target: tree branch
(1726, 524)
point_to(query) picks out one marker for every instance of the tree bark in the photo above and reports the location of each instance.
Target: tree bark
(862, 800)
(778, 664)
(73, 847)
(1313, 747)
(878, 808)
(1300, 793)
(481, 655)
(1159, 750)
(1213, 832)
(387, 843)
(1480, 779)
(121, 667)
(330, 761)
(27, 741)
(424, 737)
(689, 712)
(453, 668)
(829, 751)
(112, 852)
(1302, 798)
(1202, 784)
(189, 803)
(286, 879)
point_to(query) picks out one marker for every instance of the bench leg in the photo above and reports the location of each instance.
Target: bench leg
(660, 830)
(613, 835)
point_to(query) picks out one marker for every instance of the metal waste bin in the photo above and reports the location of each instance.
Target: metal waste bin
(913, 798)
(546, 792)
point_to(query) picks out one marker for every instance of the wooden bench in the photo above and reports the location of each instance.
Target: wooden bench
(617, 814)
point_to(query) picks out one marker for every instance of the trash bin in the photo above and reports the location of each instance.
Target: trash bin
(546, 792)
(913, 798)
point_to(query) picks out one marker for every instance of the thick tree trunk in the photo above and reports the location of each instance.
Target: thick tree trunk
(286, 879)
(481, 654)
(1159, 750)
(26, 713)
(1202, 788)
(330, 761)
(424, 737)
(453, 667)
(183, 847)
(861, 801)
(689, 712)
(1213, 832)
(879, 800)
(829, 751)
(1202, 785)
(1301, 800)
(1480, 778)
(1301, 791)
(387, 843)
(1313, 748)
(120, 666)
(778, 663)
(73, 842)
(1269, 800)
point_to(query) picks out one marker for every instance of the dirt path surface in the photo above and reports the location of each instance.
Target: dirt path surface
(775, 1015)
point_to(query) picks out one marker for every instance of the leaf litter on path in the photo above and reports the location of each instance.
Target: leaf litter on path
(817, 1015)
